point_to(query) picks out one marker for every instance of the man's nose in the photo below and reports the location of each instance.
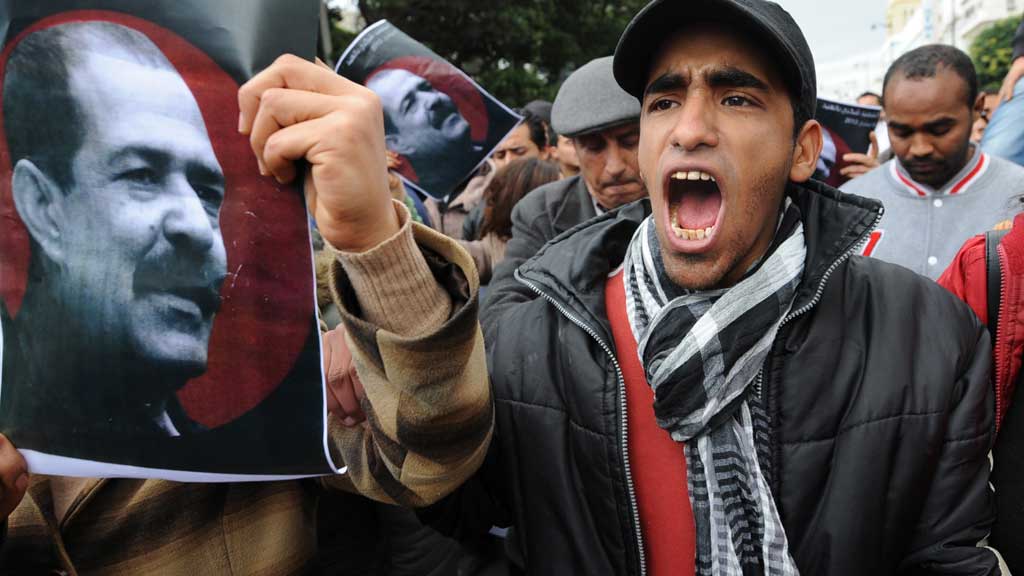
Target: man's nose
(615, 163)
(694, 123)
(188, 223)
(921, 146)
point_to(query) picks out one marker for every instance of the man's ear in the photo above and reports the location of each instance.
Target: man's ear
(37, 199)
(806, 150)
(978, 108)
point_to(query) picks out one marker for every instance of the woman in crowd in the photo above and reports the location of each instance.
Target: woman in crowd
(509, 186)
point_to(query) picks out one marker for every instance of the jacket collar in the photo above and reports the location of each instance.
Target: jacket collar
(573, 267)
(962, 183)
(576, 205)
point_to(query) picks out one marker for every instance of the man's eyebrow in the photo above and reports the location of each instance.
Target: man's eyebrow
(732, 77)
(940, 123)
(724, 77)
(667, 82)
(147, 153)
(160, 157)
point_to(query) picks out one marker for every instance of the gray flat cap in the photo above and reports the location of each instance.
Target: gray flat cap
(591, 100)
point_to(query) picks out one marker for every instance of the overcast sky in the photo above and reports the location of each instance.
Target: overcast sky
(838, 28)
(834, 28)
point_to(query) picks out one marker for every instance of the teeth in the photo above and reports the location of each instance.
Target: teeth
(688, 234)
(692, 175)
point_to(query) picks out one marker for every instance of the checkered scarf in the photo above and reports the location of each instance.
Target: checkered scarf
(701, 351)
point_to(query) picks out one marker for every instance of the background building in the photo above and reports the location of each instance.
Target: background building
(909, 24)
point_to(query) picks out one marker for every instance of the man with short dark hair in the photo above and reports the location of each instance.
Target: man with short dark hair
(940, 189)
(869, 98)
(127, 255)
(527, 140)
(699, 383)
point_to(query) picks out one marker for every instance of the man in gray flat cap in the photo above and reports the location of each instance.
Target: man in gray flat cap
(603, 122)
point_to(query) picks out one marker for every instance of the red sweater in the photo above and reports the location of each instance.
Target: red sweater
(658, 463)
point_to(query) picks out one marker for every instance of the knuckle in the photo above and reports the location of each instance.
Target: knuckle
(271, 97)
(286, 60)
(273, 145)
(245, 92)
(369, 101)
(256, 143)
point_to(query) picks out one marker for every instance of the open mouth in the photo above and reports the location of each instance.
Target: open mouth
(694, 204)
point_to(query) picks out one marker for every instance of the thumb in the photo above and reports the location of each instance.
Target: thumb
(13, 477)
(873, 150)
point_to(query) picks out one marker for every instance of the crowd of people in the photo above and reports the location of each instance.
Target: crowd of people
(642, 338)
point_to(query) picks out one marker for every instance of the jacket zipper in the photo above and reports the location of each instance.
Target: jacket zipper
(998, 345)
(759, 381)
(623, 418)
(758, 384)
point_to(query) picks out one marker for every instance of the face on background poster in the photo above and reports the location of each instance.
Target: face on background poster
(441, 123)
(158, 305)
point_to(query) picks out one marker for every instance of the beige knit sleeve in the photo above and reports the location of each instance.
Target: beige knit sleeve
(409, 308)
(393, 284)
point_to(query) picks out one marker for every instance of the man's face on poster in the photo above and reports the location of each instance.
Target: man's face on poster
(143, 256)
(426, 121)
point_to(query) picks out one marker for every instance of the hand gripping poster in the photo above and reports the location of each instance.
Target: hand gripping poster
(156, 293)
(440, 123)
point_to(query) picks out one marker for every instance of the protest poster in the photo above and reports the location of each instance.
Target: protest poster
(441, 123)
(847, 128)
(156, 293)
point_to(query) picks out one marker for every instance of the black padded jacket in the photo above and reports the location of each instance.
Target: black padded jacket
(880, 411)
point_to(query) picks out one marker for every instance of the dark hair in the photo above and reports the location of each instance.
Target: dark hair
(542, 108)
(872, 94)
(924, 62)
(508, 187)
(538, 128)
(43, 120)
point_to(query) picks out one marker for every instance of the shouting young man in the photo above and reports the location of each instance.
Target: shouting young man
(715, 383)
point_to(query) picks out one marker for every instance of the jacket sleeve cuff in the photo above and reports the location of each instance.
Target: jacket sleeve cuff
(393, 284)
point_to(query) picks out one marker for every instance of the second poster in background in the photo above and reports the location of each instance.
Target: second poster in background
(441, 123)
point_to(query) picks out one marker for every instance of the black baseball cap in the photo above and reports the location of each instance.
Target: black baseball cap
(770, 24)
